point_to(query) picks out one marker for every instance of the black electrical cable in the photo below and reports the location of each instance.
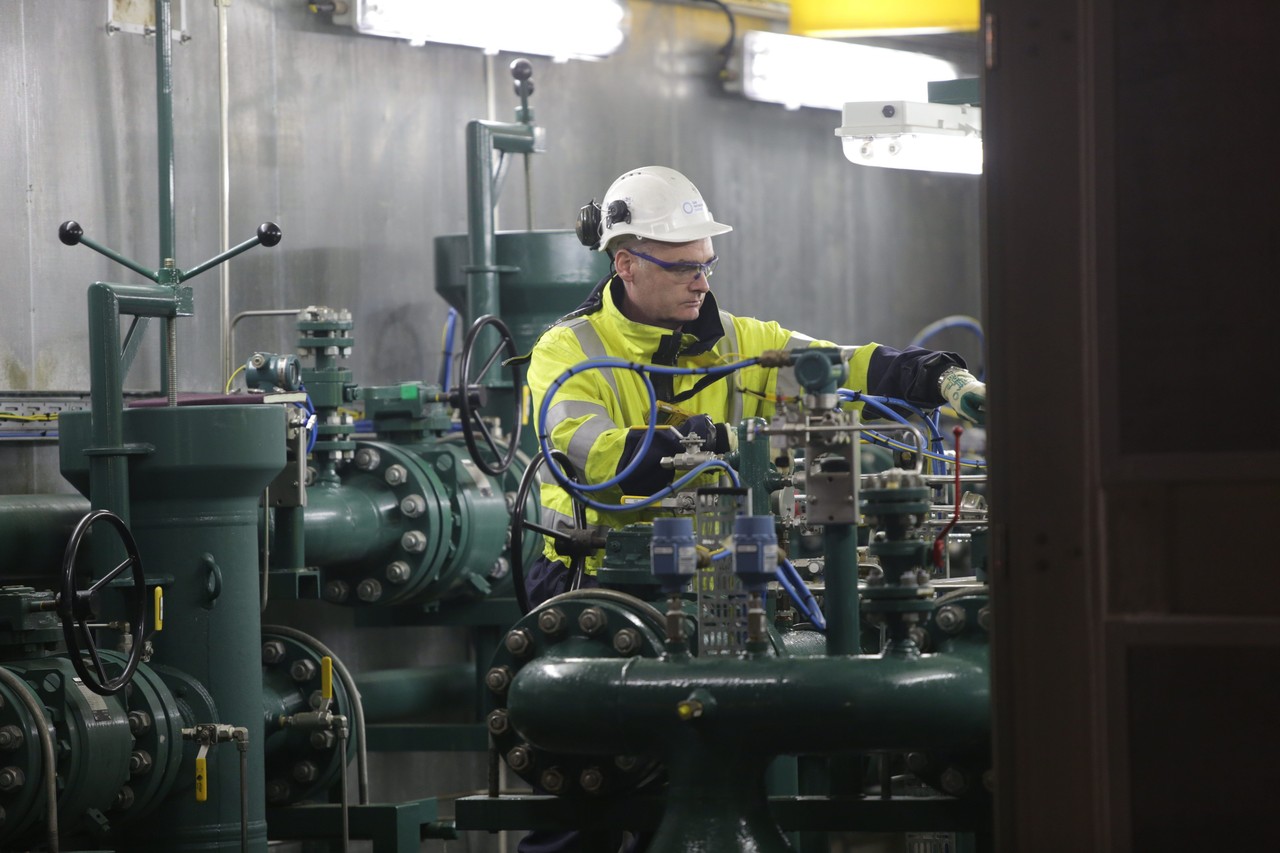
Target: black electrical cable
(518, 525)
(726, 51)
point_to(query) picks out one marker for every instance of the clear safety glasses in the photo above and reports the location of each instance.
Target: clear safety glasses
(682, 271)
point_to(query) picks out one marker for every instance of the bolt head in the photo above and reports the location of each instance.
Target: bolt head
(591, 780)
(11, 778)
(518, 642)
(984, 618)
(950, 619)
(305, 771)
(954, 782)
(139, 722)
(367, 458)
(414, 541)
(498, 722)
(369, 590)
(302, 670)
(396, 474)
(413, 505)
(498, 679)
(519, 758)
(553, 780)
(626, 641)
(591, 620)
(337, 591)
(552, 621)
(323, 740)
(272, 652)
(278, 791)
(10, 737)
(124, 798)
(398, 572)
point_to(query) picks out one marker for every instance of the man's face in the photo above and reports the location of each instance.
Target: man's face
(667, 298)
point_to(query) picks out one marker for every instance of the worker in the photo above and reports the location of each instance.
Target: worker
(656, 307)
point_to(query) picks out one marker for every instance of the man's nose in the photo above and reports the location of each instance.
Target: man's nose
(699, 284)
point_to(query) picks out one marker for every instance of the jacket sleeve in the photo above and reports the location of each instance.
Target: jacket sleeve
(911, 374)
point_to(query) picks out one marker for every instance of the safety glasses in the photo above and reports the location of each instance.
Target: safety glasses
(682, 271)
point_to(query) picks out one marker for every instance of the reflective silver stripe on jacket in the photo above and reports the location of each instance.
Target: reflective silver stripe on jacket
(585, 436)
(730, 349)
(593, 347)
(787, 384)
(556, 520)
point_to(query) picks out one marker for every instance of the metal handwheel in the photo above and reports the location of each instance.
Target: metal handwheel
(471, 397)
(77, 608)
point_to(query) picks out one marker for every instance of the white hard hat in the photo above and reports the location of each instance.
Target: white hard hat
(656, 203)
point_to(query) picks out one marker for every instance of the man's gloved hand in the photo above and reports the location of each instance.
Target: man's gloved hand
(716, 437)
(965, 393)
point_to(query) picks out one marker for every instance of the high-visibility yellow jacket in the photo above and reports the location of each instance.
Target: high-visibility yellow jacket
(592, 416)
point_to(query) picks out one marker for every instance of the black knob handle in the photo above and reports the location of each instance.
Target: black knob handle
(70, 232)
(269, 234)
(522, 69)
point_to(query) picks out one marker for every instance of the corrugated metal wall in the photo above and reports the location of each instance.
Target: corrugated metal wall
(354, 145)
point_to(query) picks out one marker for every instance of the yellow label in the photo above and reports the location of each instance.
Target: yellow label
(202, 780)
(159, 608)
(326, 677)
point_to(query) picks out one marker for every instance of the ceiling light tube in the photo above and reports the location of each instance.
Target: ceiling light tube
(908, 135)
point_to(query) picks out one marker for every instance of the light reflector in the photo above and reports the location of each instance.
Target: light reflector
(561, 29)
(803, 72)
(907, 135)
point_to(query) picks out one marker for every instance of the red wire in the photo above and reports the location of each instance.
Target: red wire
(940, 543)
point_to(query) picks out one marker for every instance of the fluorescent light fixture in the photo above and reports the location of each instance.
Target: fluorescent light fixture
(561, 29)
(859, 18)
(802, 72)
(907, 135)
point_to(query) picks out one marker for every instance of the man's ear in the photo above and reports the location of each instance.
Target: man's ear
(625, 263)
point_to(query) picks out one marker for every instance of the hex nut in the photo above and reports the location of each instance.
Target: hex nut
(551, 621)
(139, 762)
(553, 781)
(592, 620)
(920, 637)
(124, 798)
(337, 592)
(518, 642)
(917, 762)
(396, 474)
(398, 571)
(323, 739)
(11, 778)
(367, 459)
(278, 791)
(519, 758)
(984, 618)
(414, 541)
(498, 722)
(139, 722)
(369, 590)
(302, 669)
(626, 763)
(10, 737)
(305, 771)
(591, 780)
(950, 618)
(316, 699)
(954, 782)
(498, 679)
(272, 652)
(626, 641)
(413, 505)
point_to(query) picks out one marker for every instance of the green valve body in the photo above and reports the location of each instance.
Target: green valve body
(542, 275)
(195, 483)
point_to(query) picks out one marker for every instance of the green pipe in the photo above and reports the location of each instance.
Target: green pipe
(482, 273)
(350, 522)
(164, 129)
(813, 705)
(840, 544)
(288, 550)
(393, 694)
(35, 530)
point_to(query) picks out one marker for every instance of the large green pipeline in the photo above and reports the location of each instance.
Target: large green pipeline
(810, 705)
(35, 530)
(393, 694)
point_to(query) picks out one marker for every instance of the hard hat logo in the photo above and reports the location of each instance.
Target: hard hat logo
(656, 203)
